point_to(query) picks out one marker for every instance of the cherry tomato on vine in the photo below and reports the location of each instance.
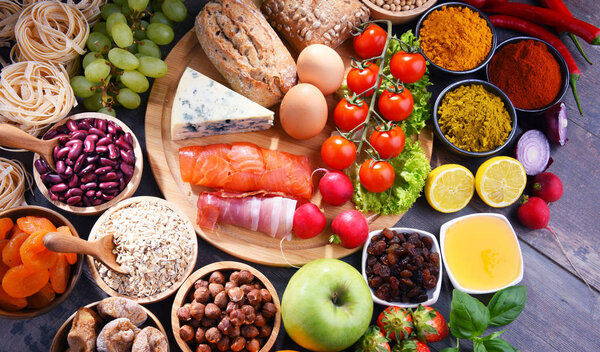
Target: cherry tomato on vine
(408, 67)
(388, 144)
(396, 106)
(362, 80)
(347, 115)
(370, 42)
(338, 152)
(376, 176)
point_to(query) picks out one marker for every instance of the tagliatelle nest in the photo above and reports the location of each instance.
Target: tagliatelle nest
(9, 13)
(89, 8)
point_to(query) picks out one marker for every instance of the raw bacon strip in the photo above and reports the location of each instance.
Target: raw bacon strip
(273, 216)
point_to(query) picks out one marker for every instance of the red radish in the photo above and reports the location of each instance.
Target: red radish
(335, 187)
(555, 124)
(533, 152)
(548, 187)
(309, 221)
(350, 228)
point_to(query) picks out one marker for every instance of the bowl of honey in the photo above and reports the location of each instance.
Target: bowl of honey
(481, 253)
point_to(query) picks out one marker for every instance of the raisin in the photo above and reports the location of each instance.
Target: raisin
(401, 237)
(435, 258)
(384, 292)
(414, 238)
(421, 298)
(371, 260)
(375, 281)
(391, 258)
(427, 242)
(426, 274)
(394, 283)
(395, 240)
(377, 238)
(425, 253)
(379, 248)
(413, 292)
(407, 282)
(418, 261)
(411, 267)
(417, 277)
(429, 283)
(389, 234)
(377, 269)
(385, 271)
(393, 248)
(406, 273)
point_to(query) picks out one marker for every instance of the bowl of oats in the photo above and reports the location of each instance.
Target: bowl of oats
(154, 242)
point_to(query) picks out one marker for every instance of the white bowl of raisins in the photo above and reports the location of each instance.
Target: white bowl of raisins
(402, 267)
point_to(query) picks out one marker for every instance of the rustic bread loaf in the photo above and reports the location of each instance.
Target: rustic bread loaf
(244, 48)
(306, 22)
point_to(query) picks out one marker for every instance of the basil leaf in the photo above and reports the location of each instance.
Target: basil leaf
(468, 317)
(450, 349)
(498, 345)
(506, 305)
(478, 345)
(494, 335)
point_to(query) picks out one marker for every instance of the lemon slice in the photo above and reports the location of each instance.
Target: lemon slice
(500, 181)
(449, 188)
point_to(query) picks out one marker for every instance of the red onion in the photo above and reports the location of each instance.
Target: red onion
(555, 124)
(533, 152)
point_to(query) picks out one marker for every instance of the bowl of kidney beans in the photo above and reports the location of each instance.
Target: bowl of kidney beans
(98, 163)
(402, 267)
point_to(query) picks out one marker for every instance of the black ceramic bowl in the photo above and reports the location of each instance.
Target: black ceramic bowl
(564, 72)
(459, 4)
(490, 87)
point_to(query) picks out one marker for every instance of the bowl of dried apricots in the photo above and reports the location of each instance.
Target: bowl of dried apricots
(34, 279)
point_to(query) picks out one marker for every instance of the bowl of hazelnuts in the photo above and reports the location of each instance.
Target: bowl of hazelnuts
(226, 306)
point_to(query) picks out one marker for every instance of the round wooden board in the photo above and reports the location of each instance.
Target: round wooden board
(164, 162)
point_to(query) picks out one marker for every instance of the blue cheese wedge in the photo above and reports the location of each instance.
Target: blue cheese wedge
(203, 107)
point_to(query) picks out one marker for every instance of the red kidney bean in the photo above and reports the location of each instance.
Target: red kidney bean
(84, 125)
(90, 193)
(75, 151)
(127, 169)
(104, 140)
(74, 192)
(122, 144)
(68, 171)
(62, 129)
(113, 128)
(79, 163)
(40, 167)
(62, 153)
(86, 202)
(89, 178)
(86, 170)
(128, 138)
(52, 195)
(52, 178)
(92, 159)
(111, 176)
(111, 191)
(97, 201)
(60, 167)
(73, 200)
(63, 138)
(88, 145)
(126, 156)
(69, 162)
(71, 125)
(50, 134)
(103, 170)
(113, 153)
(106, 197)
(107, 162)
(100, 124)
(98, 194)
(78, 135)
(89, 185)
(96, 131)
(72, 142)
(93, 137)
(101, 149)
(107, 185)
(59, 188)
(73, 181)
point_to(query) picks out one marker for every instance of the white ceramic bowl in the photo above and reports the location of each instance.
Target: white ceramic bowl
(455, 283)
(432, 294)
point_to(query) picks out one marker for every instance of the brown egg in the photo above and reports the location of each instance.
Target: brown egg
(303, 111)
(322, 67)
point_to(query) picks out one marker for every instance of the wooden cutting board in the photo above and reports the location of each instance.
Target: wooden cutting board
(249, 245)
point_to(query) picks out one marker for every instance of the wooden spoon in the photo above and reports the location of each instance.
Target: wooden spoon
(101, 249)
(13, 137)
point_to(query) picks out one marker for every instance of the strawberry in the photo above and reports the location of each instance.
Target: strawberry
(411, 345)
(373, 341)
(396, 323)
(430, 325)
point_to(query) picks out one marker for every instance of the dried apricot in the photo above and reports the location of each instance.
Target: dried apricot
(11, 303)
(31, 224)
(71, 257)
(59, 274)
(42, 298)
(6, 224)
(15, 231)
(10, 253)
(20, 282)
(35, 255)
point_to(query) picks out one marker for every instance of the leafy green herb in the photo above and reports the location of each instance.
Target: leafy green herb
(494, 335)
(492, 345)
(506, 305)
(450, 349)
(468, 317)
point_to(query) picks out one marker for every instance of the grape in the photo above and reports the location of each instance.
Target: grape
(156, 5)
(114, 19)
(159, 17)
(160, 33)
(122, 35)
(175, 10)
(98, 41)
(140, 55)
(133, 48)
(91, 56)
(97, 70)
(100, 27)
(152, 67)
(140, 33)
(119, 2)
(93, 103)
(126, 10)
(123, 59)
(107, 110)
(137, 4)
(148, 48)
(109, 9)
(135, 81)
(128, 98)
(82, 87)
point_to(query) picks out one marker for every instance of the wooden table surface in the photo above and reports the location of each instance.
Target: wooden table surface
(561, 314)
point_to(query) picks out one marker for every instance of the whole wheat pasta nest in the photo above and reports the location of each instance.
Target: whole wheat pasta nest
(9, 13)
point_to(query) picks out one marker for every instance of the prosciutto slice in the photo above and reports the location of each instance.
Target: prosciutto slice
(271, 215)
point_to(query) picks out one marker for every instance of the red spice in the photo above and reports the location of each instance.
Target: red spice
(528, 73)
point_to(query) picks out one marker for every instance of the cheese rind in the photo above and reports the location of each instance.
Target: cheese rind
(203, 107)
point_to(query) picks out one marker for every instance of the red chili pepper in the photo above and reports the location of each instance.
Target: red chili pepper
(559, 5)
(476, 3)
(582, 29)
(542, 33)
(495, 2)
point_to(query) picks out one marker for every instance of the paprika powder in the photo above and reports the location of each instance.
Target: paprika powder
(528, 73)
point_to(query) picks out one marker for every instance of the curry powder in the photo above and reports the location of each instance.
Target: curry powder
(456, 38)
(474, 119)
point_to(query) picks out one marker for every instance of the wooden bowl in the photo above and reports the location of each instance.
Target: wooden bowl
(191, 262)
(127, 192)
(399, 17)
(59, 343)
(58, 220)
(225, 266)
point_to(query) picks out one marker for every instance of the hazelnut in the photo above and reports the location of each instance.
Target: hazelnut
(253, 345)
(231, 306)
(229, 285)
(199, 337)
(256, 284)
(200, 283)
(246, 289)
(235, 294)
(201, 295)
(190, 296)
(237, 317)
(249, 314)
(266, 295)
(186, 333)
(223, 344)
(212, 311)
(221, 300)
(197, 310)
(215, 288)
(254, 297)
(203, 348)
(183, 313)
(238, 344)
(235, 332)
(217, 277)
(246, 277)
(207, 323)
(235, 277)
(264, 331)
(268, 310)
(195, 323)
(226, 326)
(213, 335)
(259, 320)
(249, 331)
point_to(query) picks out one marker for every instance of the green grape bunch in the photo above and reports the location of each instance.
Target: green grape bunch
(124, 52)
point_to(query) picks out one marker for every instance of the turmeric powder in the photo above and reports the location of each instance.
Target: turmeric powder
(456, 38)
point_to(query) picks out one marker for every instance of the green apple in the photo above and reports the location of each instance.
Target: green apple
(326, 306)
